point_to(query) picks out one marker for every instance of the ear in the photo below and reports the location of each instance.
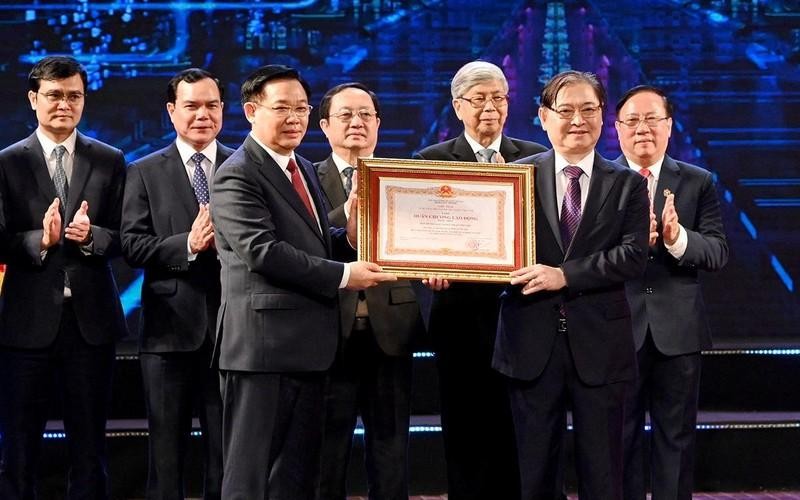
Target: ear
(457, 108)
(543, 117)
(170, 108)
(669, 127)
(32, 99)
(249, 109)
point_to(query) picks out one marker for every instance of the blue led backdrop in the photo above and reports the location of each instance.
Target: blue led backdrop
(731, 68)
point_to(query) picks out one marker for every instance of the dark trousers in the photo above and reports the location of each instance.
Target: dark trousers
(668, 388)
(364, 380)
(175, 384)
(540, 408)
(476, 418)
(81, 376)
(271, 435)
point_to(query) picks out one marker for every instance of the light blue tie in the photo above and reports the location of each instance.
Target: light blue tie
(486, 155)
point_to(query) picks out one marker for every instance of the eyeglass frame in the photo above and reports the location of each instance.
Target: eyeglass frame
(370, 115)
(286, 111)
(581, 111)
(498, 101)
(71, 98)
(651, 122)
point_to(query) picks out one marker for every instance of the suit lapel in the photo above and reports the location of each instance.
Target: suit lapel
(508, 149)
(462, 151)
(600, 185)
(275, 176)
(180, 180)
(331, 183)
(668, 178)
(81, 168)
(38, 168)
(546, 192)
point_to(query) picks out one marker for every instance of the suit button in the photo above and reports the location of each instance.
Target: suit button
(648, 290)
(651, 257)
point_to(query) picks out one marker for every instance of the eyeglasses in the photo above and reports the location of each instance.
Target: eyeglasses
(566, 113)
(480, 101)
(72, 98)
(635, 121)
(347, 115)
(284, 111)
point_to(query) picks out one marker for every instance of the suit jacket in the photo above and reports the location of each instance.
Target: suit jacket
(180, 299)
(279, 310)
(33, 291)
(609, 247)
(451, 305)
(393, 312)
(668, 298)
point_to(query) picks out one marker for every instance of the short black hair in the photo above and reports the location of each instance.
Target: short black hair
(567, 78)
(56, 68)
(191, 75)
(253, 86)
(325, 104)
(645, 88)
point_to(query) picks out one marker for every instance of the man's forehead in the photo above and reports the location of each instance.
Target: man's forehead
(73, 81)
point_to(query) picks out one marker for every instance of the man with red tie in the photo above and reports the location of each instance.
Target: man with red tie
(669, 323)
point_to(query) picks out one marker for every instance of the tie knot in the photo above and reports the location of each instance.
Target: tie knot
(291, 166)
(348, 172)
(60, 150)
(198, 158)
(573, 171)
(645, 172)
(486, 155)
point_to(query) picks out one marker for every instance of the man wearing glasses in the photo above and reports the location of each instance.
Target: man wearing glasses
(476, 421)
(372, 372)
(60, 314)
(279, 319)
(669, 324)
(564, 335)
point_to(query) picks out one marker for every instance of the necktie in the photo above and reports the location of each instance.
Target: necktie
(60, 177)
(297, 183)
(645, 172)
(348, 183)
(199, 180)
(485, 155)
(571, 206)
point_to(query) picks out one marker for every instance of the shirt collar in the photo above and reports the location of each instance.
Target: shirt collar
(655, 168)
(48, 145)
(586, 163)
(186, 151)
(476, 146)
(341, 164)
(281, 160)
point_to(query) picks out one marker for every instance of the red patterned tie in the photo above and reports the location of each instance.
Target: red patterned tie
(298, 185)
(571, 206)
(645, 172)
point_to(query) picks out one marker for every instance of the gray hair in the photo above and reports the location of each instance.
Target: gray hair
(475, 73)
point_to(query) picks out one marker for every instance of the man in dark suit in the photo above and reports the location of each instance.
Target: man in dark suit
(167, 230)
(60, 312)
(564, 335)
(669, 323)
(371, 375)
(278, 327)
(476, 420)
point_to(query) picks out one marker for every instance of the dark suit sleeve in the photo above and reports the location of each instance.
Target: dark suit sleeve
(141, 245)
(622, 261)
(105, 234)
(707, 247)
(242, 213)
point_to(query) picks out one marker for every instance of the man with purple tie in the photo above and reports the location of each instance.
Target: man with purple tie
(564, 333)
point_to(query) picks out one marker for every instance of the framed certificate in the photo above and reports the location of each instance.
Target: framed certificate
(460, 220)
